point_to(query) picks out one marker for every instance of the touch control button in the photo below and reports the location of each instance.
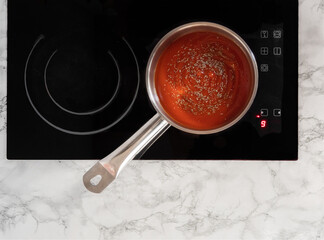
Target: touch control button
(277, 51)
(264, 112)
(264, 68)
(277, 34)
(277, 112)
(264, 34)
(264, 51)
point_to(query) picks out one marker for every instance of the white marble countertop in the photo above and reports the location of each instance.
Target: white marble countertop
(179, 199)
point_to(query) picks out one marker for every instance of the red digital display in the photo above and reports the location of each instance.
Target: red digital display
(263, 123)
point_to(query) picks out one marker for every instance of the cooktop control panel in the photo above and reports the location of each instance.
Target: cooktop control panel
(268, 46)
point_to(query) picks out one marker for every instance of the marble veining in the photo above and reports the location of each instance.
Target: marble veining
(179, 199)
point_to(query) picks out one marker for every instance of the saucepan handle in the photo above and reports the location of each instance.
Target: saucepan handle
(97, 178)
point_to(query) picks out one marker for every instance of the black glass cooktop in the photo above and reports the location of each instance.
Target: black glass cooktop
(76, 74)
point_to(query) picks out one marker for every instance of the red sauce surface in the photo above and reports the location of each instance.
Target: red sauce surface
(203, 80)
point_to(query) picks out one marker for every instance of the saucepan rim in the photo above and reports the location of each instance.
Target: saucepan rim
(171, 37)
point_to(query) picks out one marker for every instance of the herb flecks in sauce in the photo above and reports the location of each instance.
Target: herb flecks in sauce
(202, 80)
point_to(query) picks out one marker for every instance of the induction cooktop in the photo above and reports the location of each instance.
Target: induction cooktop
(76, 78)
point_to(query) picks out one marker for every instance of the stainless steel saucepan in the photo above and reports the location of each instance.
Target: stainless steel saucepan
(106, 170)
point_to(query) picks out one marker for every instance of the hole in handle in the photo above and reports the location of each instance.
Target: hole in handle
(95, 180)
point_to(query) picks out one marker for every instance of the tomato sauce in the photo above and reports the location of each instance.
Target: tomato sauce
(203, 80)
